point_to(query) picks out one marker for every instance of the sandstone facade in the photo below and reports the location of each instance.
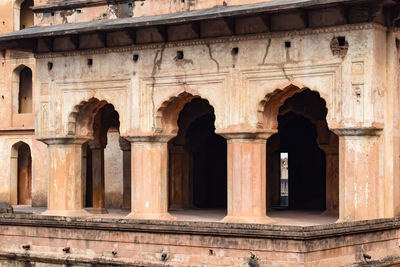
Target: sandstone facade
(154, 106)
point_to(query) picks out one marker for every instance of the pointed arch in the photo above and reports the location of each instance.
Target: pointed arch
(21, 174)
(23, 14)
(22, 83)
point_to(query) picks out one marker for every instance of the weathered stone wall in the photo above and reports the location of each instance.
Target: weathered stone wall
(233, 84)
(113, 171)
(7, 16)
(123, 10)
(18, 127)
(128, 243)
(8, 179)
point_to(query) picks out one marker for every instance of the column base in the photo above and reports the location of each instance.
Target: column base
(99, 211)
(150, 216)
(67, 213)
(248, 219)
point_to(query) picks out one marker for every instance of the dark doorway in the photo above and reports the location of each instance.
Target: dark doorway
(198, 171)
(24, 175)
(306, 170)
(26, 15)
(302, 135)
(25, 91)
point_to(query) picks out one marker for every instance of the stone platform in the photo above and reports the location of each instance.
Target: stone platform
(281, 217)
(121, 242)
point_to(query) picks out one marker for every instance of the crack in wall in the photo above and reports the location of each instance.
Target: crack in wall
(156, 66)
(266, 51)
(211, 56)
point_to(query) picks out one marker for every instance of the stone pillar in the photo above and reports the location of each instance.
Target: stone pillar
(150, 178)
(99, 203)
(247, 180)
(179, 178)
(360, 181)
(126, 173)
(331, 149)
(332, 183)
(65, 178)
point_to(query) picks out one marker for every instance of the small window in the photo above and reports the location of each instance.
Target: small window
(26, 15)
(25, 91)
(284, 194)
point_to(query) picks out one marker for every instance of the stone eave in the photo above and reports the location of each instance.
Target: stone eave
(27, 39)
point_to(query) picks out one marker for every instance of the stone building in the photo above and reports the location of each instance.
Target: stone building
(180, 112)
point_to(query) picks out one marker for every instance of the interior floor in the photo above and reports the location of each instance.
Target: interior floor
(282, 217)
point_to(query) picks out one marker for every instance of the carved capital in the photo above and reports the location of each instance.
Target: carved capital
(358, 131)
(150, 139)
(256, 135)
(63, 140)
(124, 144)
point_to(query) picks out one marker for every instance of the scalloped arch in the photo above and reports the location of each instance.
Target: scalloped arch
(81, 118)
(268, 108)
(166, 120)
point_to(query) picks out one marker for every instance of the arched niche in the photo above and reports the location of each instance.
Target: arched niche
(299, 116)
(97, 120)
(21, 174)
(22, 90)
(197, 155)
(23, 14)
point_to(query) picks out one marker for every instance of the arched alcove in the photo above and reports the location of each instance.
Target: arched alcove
(98, 121)
(23, 14)
(302, 158)
(22, 90)
(197, 157)
(21, 174)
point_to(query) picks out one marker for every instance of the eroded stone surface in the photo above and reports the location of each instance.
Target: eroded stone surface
(322, 76)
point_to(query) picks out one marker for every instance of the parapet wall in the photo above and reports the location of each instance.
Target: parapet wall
(154, 243)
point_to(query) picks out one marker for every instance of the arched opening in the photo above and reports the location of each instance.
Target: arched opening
(197, 160)
(22, 90)
(302, 158)
(87, 184)
(26, 19)
(103, 166)
(21, 174)
(25, 91)
(105, 118)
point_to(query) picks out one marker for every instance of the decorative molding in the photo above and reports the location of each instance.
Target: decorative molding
(149, 84)
(358, 131)
(216, 40)
(194, 79)
(94, 85)
(291, 72)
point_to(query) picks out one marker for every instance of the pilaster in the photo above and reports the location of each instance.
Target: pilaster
(360, 185)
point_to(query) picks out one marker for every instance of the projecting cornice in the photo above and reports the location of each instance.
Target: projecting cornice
(217, 22)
